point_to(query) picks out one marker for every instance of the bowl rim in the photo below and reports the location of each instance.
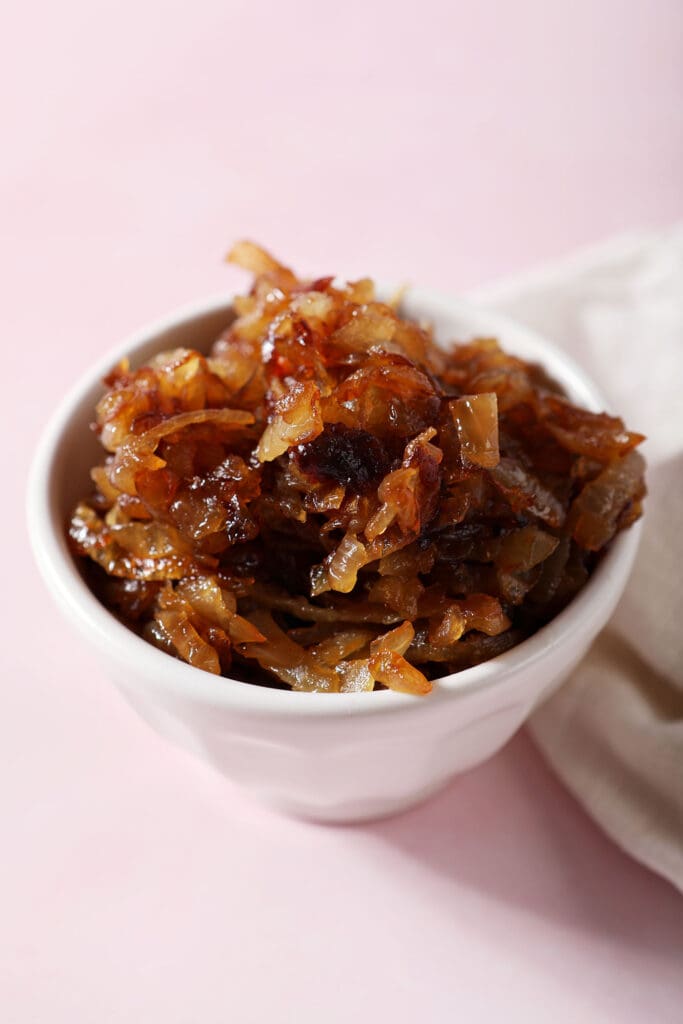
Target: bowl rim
(120, 644)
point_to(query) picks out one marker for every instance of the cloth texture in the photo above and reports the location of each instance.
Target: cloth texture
(614, 732)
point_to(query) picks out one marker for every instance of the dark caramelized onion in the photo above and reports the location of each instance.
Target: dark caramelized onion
(345, 455)
(330, 502)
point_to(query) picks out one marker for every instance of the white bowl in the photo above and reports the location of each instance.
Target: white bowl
(329, 757)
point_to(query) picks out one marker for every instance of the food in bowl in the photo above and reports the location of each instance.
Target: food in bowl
(330, 501)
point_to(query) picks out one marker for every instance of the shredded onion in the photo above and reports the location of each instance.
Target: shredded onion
(328, 501)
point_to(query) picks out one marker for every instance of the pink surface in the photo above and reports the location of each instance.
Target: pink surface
(139, 141)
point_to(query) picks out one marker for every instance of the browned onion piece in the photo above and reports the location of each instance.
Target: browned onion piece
(297, 419)
(136, 452)
(476, 421)
(397, 640)
(597, 508)
(522, 549)
(587, 433)
(449, 628)
(356, 676)
(398, 674)
(174, 617)
(340, 569)
(285, 659)
(339, 645)
(137, 551)
(525, 492)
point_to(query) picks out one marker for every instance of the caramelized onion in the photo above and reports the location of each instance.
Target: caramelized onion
(476, 420)
(329, 502)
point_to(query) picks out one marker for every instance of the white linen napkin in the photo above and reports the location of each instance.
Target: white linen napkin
(614, 731)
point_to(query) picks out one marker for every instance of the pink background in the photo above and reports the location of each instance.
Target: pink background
(448, 143)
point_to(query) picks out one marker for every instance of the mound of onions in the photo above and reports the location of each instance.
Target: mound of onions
(330, 502)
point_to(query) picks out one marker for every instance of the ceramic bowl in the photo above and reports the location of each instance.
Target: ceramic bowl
(328, 757)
